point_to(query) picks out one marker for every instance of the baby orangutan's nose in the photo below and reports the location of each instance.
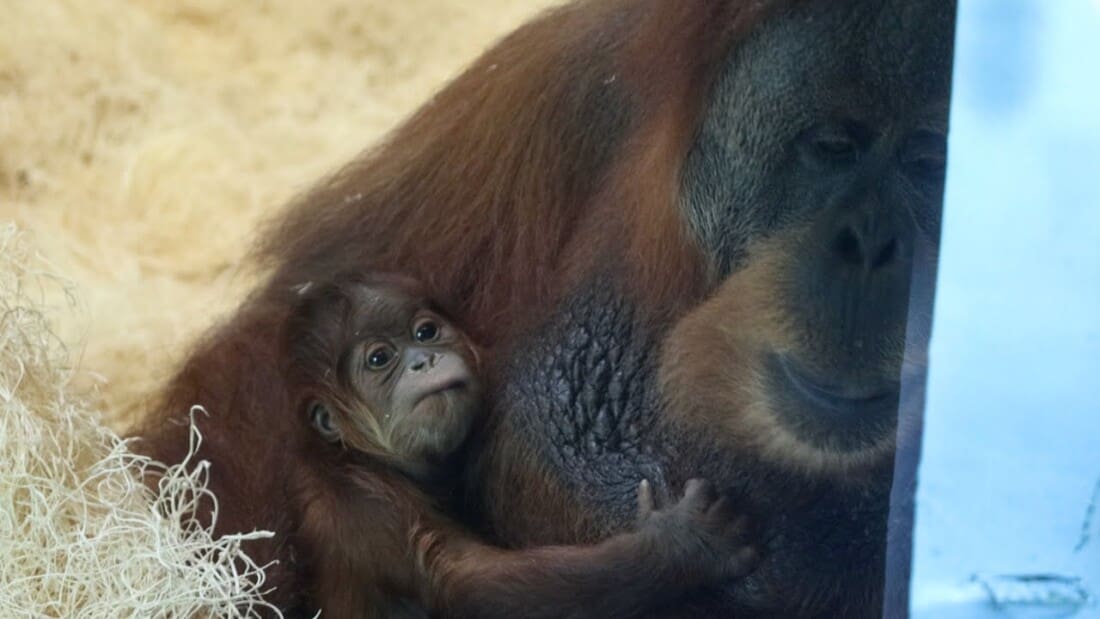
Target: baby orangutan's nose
(422, 360)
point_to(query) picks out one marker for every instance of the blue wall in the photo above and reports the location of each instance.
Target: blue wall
(1011, 455)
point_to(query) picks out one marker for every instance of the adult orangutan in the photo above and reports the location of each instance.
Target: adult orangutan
(688, 233)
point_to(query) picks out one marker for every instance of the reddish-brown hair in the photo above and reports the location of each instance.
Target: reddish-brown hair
(555, 157)
(557, 152)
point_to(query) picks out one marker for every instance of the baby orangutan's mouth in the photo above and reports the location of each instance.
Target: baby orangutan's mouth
(457, 384)
(450, 386)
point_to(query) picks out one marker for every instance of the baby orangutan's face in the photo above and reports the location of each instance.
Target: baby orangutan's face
(411, 371)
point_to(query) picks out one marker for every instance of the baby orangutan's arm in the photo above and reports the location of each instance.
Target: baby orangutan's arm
(390, 544)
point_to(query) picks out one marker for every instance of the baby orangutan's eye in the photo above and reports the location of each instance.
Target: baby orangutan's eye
(426, 330)
(379, 356)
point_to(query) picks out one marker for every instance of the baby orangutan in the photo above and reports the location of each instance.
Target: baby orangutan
(390, 391)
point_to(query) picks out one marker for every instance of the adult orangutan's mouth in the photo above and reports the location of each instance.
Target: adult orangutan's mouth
(837, 415)
(834, 398)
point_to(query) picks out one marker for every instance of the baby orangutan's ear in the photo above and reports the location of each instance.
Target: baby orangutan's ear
(323, 421)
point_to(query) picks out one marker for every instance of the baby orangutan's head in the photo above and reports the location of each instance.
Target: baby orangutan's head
(378, 369)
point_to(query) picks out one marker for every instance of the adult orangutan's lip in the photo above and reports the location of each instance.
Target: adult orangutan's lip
(839, 399)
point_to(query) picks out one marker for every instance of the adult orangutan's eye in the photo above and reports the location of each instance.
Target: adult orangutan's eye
(924, 156)
(833, 144)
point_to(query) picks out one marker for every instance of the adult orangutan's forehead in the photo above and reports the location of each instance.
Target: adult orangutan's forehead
(908, 52)
(881, 65)
(891, 57)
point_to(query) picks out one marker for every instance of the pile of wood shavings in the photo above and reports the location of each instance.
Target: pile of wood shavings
(80, 535)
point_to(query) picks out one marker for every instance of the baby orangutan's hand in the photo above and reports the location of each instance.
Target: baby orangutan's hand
(701, 536)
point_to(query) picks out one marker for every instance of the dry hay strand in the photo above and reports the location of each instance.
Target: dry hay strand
(80, 534)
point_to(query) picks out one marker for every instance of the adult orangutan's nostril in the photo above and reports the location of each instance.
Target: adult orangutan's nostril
(848, 247)
(886, 255)
(865, 252)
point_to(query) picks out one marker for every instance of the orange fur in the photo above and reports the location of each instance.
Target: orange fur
(513, 181)
(555, 155)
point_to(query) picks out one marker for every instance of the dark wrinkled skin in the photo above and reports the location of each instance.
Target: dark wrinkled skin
(583, 395)
(585, 388)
